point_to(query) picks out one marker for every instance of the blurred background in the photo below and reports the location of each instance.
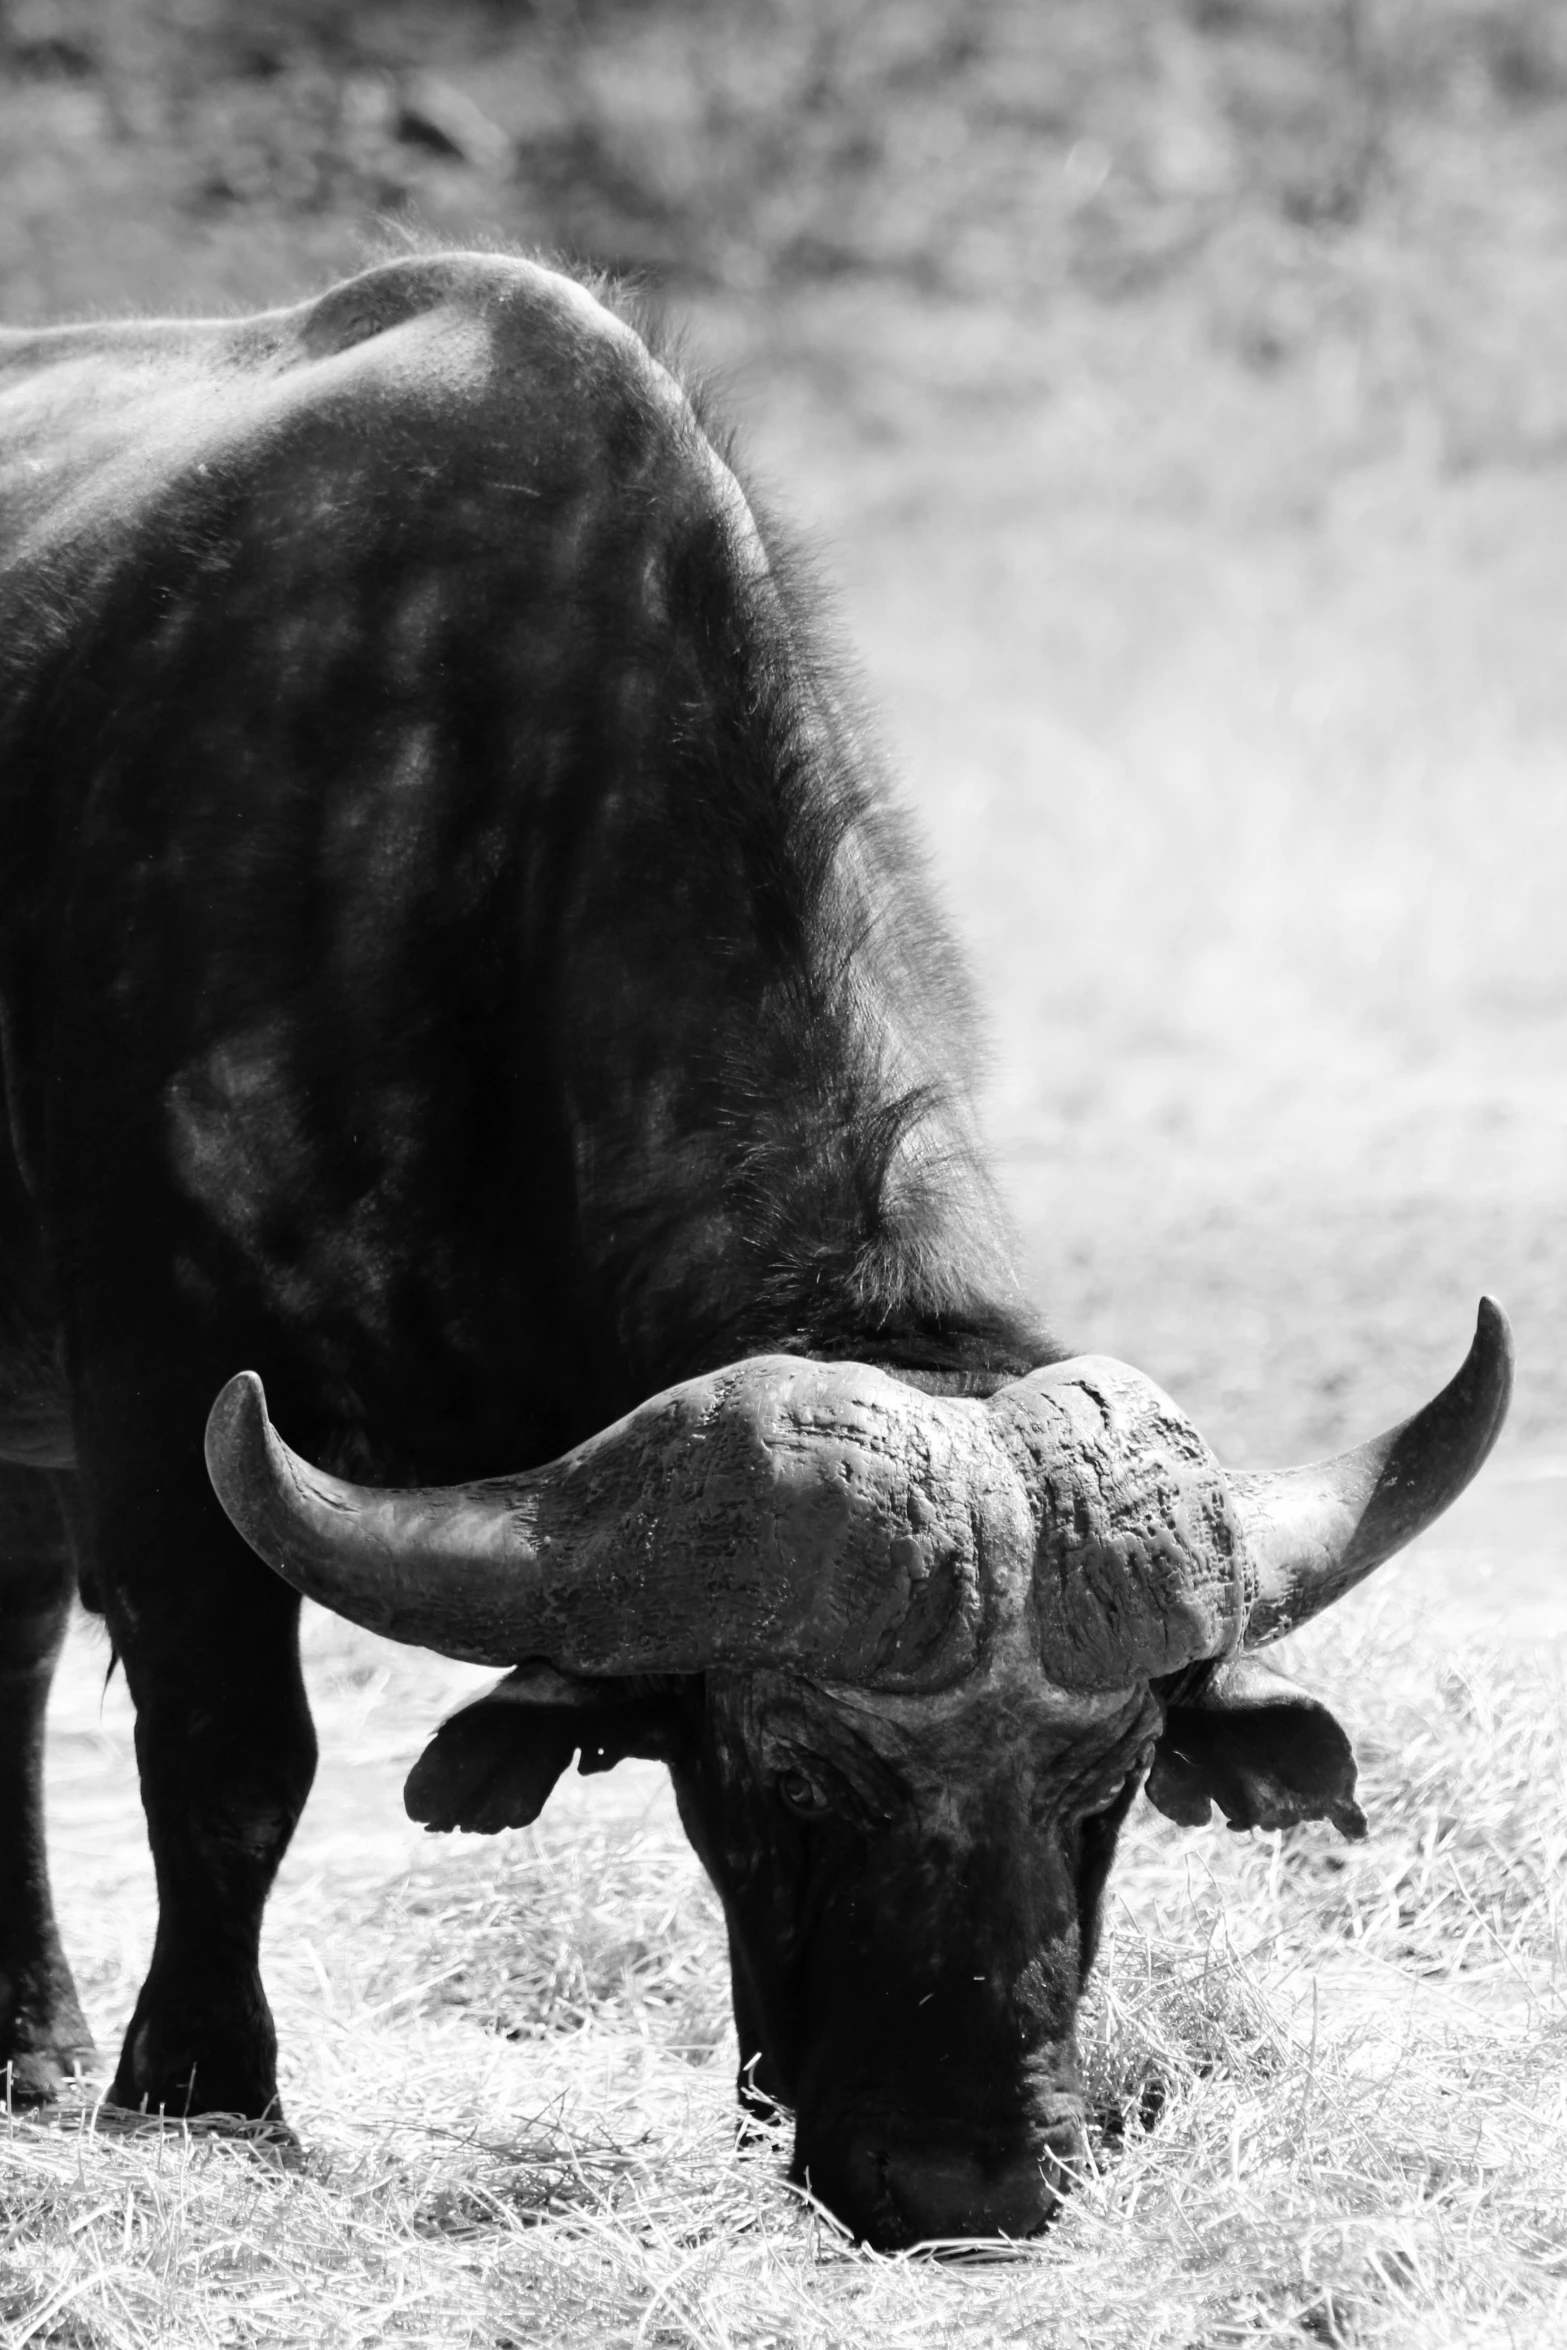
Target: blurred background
(1176, 391)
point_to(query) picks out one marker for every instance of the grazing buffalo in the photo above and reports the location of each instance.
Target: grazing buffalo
(456, 955)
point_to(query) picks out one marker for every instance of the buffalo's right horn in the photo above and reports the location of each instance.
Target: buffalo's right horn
(783, 1511)
(1314, 1533)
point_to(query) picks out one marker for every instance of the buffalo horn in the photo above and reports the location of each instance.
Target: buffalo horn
(800, 1513)
(1313, 1533)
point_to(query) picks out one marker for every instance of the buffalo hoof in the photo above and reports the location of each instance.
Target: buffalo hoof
(44, 2041)
(210, 2066)
(30, 2077)
(272, 2141)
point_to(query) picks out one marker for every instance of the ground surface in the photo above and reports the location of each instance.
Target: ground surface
(510, 2061)
(1213, 610)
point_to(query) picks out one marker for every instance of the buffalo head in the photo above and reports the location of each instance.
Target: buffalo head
(908, 1659)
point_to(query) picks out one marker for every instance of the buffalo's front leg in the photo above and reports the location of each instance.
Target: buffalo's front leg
(226, 1752)
(43, 2036)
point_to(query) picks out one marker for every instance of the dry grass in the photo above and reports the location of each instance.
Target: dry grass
(1331, 2081)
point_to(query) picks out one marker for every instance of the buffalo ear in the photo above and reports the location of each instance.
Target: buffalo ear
(494, 1763)
(1245, 1738)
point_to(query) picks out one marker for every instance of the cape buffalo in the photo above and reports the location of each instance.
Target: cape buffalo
(456, 955)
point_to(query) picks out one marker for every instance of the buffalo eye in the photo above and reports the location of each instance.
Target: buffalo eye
(1091, 1811)
(802, 1795)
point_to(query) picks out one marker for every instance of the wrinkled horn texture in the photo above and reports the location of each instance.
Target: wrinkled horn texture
(1140, 1567)
(816, 1514)
(789, 1512)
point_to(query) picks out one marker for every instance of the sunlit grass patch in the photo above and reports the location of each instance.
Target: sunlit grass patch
(1329, 2081)
(1358, 2055)
(550, 1933)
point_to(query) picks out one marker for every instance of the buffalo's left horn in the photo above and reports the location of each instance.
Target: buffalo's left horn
(1313, 1533)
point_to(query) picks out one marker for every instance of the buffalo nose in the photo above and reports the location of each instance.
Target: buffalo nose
(894, 2196)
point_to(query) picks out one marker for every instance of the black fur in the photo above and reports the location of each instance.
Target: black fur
(457, 955)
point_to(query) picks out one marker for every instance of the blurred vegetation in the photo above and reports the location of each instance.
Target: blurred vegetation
(967, 145)
(1376, 186)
